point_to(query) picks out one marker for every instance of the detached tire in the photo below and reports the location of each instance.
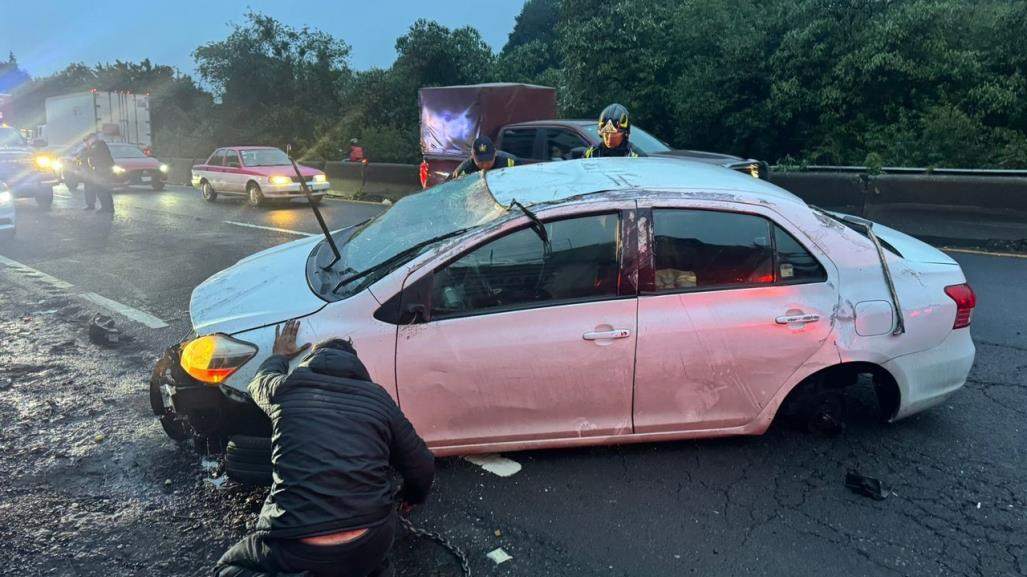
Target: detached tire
(248, 460)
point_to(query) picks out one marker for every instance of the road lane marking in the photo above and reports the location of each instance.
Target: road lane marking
(124, 310)
(36, 274)
(131, 313)
(495, 464)
(985, 253)
(271, 228)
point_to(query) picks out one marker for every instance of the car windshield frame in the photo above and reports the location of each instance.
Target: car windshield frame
(639, 139)
(421, 220)
(117, 150)
(11, 138)
(255, 153)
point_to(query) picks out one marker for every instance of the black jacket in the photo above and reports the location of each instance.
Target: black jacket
(335, 435)
(600, 150)
(98, 157)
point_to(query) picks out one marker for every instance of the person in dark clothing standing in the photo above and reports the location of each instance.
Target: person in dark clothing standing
(330, 512)
(484, 157)
(614, 130)
(98, 160)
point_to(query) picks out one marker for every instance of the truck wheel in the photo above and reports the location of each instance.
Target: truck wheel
(248, 460)
(253, 195)
(208, 192)
(158, 185)
(45, 199)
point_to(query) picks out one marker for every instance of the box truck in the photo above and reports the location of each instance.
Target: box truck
(117, 116)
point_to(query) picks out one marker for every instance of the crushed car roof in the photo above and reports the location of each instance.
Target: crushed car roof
(550, 182)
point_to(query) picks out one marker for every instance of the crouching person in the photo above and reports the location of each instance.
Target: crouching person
(330, 511)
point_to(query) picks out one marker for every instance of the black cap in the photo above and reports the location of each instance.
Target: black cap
(483, 149)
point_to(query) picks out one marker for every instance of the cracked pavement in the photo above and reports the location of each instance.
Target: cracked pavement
(132, 501)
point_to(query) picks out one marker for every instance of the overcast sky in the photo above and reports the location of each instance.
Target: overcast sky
(48, 35)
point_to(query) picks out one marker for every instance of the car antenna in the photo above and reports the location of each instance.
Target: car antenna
(317, 213)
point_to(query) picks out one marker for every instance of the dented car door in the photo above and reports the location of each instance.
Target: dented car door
(731, 305)
(524, 339)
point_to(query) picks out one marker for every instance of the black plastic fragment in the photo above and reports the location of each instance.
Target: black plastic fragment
(103, 332)
(866, 486)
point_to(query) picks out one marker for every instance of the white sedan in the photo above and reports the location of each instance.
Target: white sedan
(591, 302)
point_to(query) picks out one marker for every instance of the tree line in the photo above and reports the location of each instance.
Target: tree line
(892, 82)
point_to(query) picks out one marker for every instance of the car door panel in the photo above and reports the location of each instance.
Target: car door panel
(527, 353)
(715, 357)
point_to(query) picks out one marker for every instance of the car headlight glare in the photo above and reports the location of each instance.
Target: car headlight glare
(163, 168)
(117, 170)
(57, 165)
(280, 180)
(320, 178)
(5, 196)
(43, 161)
(214, 358)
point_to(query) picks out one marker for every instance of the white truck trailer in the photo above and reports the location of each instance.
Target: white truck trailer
(117, 116)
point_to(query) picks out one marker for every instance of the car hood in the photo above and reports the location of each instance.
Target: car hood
(285, 169)
(265, 288)
(701, 156)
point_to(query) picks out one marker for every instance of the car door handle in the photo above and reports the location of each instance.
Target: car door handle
(797, 319)
(601, 335)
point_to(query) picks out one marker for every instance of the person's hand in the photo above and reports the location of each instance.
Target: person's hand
(285, 341)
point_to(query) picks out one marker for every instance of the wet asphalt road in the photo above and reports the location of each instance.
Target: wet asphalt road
(770, 505)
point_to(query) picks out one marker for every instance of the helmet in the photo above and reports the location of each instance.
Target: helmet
(615, 118)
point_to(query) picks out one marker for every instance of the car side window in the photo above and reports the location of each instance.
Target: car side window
(794, 261)
(519, 142)
(560, 142)
(705, 249)
(232, 159)
(217, 159)
(518, 270)
(709, 249)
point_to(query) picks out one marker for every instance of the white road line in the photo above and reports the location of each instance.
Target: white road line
(124, 310)
(984, 252)
(114, 306)
(36, 274)
(495, 464)
(271, 228)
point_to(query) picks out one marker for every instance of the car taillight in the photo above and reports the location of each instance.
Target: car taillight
(966, 300)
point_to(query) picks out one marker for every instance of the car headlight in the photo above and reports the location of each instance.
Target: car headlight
(320, 178)
(117, 170)
(163, 168)
(5, 196)
(214, 358)
(280, 180)
(42, 161)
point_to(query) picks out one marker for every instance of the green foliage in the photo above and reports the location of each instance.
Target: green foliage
(875, 82)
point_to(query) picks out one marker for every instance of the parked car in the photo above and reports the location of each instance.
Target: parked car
(621, 300)
(132, 167)
(27, 172)
(257, 172)
(7, 213)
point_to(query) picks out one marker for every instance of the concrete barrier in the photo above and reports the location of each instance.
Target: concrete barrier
(383, 180)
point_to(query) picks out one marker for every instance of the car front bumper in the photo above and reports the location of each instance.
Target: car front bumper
(929, 377)
(133, 177)
(294, 190)
(29, 183)
(205, 411)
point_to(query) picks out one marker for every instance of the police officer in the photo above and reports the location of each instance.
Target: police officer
(614, 130)
(484, 157)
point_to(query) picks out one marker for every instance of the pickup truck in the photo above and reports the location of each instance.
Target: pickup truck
(26, 171)
(548, 140)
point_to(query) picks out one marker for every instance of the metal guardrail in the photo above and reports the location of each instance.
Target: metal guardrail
(902, 170)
